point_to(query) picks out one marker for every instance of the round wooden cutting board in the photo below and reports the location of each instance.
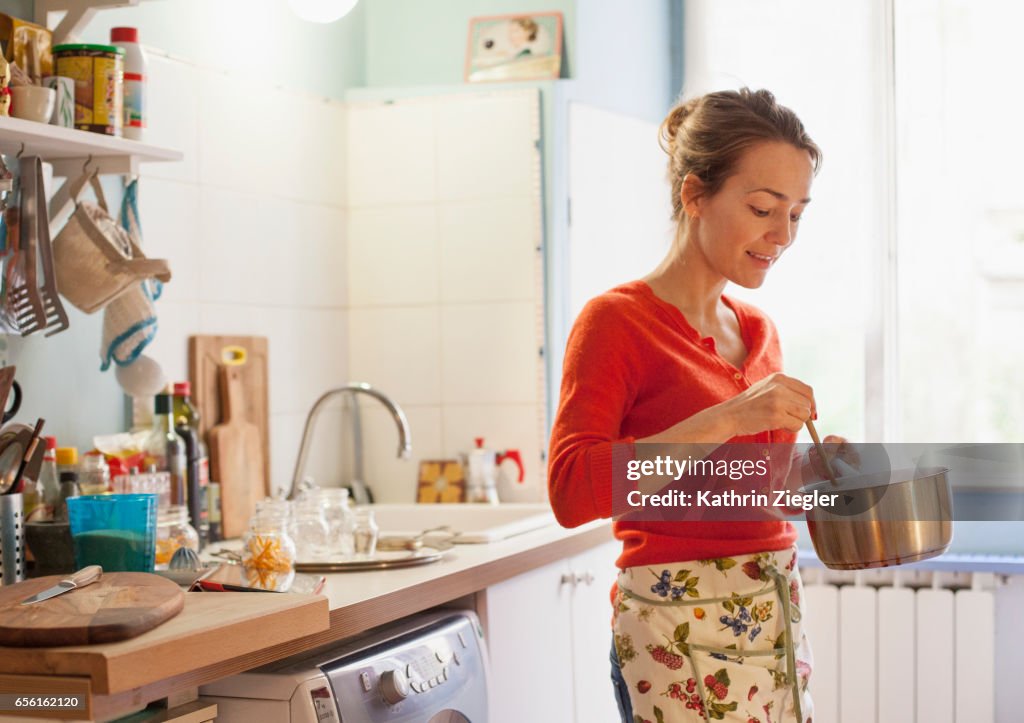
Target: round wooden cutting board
(118, 606)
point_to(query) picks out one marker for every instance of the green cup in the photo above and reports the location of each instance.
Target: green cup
(117, 532)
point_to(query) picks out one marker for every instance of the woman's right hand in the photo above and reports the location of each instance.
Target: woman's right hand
(775, 402)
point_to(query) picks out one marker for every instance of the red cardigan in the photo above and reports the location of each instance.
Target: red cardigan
(634, 367)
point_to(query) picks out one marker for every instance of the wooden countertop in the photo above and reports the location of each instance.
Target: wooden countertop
(220, 634)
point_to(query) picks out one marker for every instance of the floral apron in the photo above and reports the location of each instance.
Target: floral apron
(711, 640)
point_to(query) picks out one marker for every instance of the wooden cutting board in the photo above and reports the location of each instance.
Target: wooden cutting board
(205, 355)
(236, 456)
(120, 605)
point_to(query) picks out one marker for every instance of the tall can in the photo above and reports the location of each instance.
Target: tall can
(98, 72)
(135, 78)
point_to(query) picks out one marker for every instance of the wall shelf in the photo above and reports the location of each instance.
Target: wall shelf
(68, 149)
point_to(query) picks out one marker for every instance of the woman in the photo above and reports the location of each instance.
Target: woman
(706, 614)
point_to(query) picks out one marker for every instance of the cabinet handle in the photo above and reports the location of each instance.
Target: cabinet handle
(575, 578)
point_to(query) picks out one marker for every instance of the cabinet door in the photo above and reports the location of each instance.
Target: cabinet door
(594, 572)
(530, 648)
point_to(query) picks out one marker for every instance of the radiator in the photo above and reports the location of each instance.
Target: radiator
(894, 646)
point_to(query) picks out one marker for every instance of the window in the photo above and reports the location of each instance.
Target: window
(902, 300)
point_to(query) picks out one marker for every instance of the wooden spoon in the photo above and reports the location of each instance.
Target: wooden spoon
(821, 452)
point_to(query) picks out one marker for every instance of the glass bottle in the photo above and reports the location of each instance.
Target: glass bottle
(267, 545)
(94, 478)
(211, 507)
(67, 460)
(68, 488)
(165, 449)
(172, 532)
(49, 483)
(186, 424)
(364, 535)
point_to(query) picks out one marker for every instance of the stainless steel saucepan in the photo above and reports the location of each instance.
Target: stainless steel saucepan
(881, 519)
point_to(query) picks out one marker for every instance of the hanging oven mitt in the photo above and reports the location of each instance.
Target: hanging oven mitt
(129, 320)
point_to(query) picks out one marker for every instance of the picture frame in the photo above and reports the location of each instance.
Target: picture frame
(523, 46)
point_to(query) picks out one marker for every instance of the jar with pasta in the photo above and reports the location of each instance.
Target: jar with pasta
(172, 532)
(268, 545)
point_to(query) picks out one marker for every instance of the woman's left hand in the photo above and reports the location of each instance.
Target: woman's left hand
(836, 447)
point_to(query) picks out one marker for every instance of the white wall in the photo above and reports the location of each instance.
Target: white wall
(446, 297)
(253, 222)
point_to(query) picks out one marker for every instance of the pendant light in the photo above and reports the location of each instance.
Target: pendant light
(321, 11)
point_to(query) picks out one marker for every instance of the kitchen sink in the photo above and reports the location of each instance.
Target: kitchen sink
(475, 523)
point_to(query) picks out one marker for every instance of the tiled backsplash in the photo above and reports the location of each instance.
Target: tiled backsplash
(445, 291)
(253, 221)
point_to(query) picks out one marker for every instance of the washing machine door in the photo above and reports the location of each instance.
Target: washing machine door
(449, 716)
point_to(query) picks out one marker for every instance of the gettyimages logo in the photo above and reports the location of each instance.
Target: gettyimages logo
(757, 482)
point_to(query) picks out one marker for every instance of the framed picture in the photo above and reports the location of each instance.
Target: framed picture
(514, 47)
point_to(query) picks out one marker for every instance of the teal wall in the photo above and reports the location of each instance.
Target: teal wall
(413, 42)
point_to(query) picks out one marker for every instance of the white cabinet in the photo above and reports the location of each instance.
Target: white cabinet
(548, 634)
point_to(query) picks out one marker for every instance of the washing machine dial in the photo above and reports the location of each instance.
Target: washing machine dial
(393, 687)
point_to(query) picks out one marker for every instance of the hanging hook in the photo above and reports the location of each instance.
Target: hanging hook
(21, 152)
(85, 167)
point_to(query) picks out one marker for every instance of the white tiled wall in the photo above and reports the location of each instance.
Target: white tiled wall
(444, 280)
(254, 224)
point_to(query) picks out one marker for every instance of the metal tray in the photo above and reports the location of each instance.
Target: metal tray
(381, 561)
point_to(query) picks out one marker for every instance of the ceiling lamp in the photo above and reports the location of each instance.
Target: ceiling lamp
(321, 11)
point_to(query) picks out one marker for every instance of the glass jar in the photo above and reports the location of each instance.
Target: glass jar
(94, 476)
(340, 520)
(364, 534)
(268, 545)
(312, 533)
(173, 531)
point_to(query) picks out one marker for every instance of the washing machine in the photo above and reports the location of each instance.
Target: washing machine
(427, 668)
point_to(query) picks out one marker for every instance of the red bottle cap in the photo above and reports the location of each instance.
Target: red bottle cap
(182, 389)
(124, 35)
(479, 442)
(51, 442)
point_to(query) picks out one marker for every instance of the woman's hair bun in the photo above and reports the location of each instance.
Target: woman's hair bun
(669, 130)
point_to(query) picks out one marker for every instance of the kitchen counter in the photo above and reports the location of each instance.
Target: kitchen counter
(219, 634)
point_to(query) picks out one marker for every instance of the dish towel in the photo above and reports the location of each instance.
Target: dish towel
(129, 321)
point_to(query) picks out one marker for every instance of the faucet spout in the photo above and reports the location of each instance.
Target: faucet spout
(360, 492)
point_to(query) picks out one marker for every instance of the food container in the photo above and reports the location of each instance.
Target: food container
(98, 72)
(173, 531)
(882, 519)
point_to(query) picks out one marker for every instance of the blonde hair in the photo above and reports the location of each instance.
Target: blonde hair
(707, 135)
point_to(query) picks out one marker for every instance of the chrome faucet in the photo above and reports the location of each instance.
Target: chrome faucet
(360, 492)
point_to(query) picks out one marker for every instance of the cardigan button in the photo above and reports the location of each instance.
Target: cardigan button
(737, 376)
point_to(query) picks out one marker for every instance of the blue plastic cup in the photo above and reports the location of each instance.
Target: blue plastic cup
(117, 532)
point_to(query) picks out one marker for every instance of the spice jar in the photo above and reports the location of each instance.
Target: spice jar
(364, 535)
(173, 531)
(267, 545)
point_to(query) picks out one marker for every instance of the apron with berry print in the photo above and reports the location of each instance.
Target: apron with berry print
(714, 640)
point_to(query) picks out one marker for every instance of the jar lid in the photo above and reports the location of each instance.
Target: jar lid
(124, 35)
(67, 455)
(89, 47)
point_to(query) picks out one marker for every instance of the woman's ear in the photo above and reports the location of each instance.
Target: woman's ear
(690, 192)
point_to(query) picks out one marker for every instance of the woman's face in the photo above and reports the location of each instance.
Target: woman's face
(743, 229)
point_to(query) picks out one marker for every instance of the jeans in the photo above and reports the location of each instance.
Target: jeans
(621, 689)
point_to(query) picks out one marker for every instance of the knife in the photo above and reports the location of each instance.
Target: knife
(85, 576)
